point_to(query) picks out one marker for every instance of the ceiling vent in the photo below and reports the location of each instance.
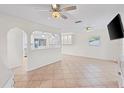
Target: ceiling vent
(78, 21)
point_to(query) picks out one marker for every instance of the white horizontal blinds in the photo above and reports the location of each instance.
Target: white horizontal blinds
(66, 38)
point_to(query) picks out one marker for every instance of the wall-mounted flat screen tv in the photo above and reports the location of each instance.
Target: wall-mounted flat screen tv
(115, 28)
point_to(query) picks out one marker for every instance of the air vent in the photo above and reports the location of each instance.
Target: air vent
(78, 21)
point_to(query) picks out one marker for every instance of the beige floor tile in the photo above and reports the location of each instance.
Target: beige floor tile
(46, 84)
(71, 72)
(60, 83)
(35, 84)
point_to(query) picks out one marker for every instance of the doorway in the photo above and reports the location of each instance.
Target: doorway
(16, 47)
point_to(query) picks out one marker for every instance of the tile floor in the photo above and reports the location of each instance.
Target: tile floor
(71, 72)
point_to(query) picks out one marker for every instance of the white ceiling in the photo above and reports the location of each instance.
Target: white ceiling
(91, 15)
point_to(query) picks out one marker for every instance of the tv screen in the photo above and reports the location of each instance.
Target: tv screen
(115, 28)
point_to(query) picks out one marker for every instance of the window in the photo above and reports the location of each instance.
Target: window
(39, 42)
(54, 40)
(66, 38)
(42, 40)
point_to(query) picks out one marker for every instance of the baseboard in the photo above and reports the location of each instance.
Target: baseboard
(14, 67)
(35, 68)
(91, 58)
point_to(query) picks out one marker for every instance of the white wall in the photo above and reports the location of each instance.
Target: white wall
(15, 47)
(9, 22)
(24, 44)
(5, 73)
(108, 50)
(41, 57)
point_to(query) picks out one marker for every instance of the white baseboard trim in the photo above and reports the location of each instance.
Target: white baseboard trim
(91, 58)
(43, 65)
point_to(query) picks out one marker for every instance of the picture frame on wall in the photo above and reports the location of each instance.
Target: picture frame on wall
(94, 41)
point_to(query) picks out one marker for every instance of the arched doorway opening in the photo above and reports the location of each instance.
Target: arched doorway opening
(16, 47)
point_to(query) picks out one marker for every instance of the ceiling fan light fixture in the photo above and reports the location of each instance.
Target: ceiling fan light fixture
(54, 6)
(56, 15)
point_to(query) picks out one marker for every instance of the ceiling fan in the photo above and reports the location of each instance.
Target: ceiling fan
(57, 11)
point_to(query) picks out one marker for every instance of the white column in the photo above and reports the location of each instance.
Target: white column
(28, 47)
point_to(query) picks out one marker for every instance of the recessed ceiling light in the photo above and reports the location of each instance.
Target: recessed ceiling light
(89, 29)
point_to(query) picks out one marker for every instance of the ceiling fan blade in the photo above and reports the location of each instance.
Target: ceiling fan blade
(71, 17)
(63, 16)
(69, 8)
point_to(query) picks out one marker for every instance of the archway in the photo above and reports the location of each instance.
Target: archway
(16, 47)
